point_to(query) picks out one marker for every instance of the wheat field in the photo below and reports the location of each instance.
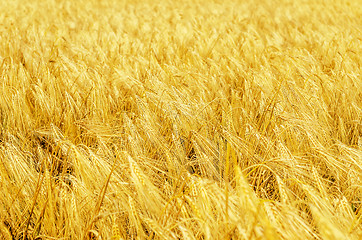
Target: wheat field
(163, 119)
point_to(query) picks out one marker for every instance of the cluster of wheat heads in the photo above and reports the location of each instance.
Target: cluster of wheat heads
(180, 119)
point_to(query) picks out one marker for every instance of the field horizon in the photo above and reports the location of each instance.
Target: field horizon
(180, 119)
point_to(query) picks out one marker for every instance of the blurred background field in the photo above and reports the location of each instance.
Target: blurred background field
(165, 119)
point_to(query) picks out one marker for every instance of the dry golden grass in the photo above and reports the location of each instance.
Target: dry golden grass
(166, 119)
